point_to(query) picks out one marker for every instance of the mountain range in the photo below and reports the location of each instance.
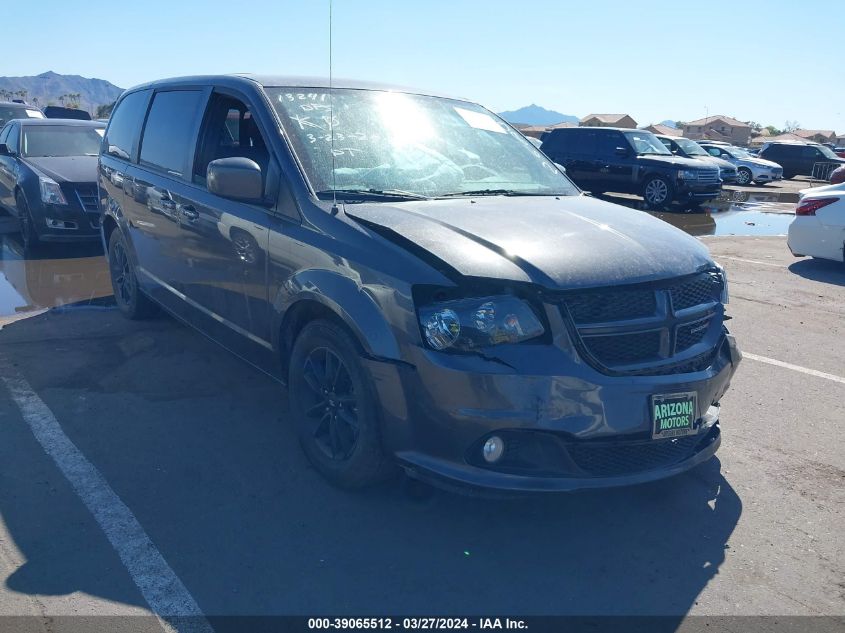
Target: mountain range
(536, 115)
(48, 88)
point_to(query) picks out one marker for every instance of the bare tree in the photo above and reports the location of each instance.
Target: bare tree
(791, 126)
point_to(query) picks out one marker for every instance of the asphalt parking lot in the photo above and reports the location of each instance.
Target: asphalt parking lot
(197, 447)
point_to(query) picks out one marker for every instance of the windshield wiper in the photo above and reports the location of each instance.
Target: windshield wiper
(496, 192)
(372, 194)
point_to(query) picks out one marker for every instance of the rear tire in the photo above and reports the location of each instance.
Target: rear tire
(133, 303)
(29, 235)
(335, 407)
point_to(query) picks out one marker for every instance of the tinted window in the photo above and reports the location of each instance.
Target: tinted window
(169, 132)
(575, 142)
(12, 141)
(124, 124)
(4, 133)
(608, 142)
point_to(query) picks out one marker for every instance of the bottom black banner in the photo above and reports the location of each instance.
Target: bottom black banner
(534, 624)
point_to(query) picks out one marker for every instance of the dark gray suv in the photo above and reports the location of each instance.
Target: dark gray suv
(434, 290)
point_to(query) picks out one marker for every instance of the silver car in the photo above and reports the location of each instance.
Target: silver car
(749, 168)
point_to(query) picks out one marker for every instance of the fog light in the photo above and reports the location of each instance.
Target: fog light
(493, 449)
(60, 224)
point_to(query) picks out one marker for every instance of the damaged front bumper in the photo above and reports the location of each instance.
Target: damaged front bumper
(565, 426)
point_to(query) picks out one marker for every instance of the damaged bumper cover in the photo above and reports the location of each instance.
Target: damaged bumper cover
(565, 426)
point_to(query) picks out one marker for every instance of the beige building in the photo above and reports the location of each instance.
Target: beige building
(537, 131)
(817, 136)
(664, 130)
(608, 120)
(787, 137)
(719, 128)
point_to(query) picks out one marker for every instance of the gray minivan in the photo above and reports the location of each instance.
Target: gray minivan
(434, 291)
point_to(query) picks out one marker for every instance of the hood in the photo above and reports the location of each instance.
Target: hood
(721, 163)
(66, 168)
(559, 243)
(762, 162)
(669, 160)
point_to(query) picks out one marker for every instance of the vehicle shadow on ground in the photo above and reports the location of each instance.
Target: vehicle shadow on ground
(823, 270)
(200, 448)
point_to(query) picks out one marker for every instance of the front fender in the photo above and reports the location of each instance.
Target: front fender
(344, 297)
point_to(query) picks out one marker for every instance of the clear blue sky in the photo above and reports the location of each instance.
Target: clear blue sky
(767, 61)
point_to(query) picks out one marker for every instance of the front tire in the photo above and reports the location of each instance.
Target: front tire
(743, 176)
(29, 235)
(657, 192)
(133, 303)
(335, 408)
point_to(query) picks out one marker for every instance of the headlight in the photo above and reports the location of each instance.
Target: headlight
(469, 324)
(688, 174)
(725, 298)
(51, 193)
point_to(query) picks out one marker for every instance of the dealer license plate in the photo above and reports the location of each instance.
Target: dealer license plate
(673, 414)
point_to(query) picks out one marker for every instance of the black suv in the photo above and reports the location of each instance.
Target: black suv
(631, 161)
(435, 292)
(798, 159)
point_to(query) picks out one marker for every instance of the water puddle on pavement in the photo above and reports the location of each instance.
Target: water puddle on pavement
(57, 276)
(734, 213)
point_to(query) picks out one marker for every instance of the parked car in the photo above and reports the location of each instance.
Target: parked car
(687, 148)
(818, 229)
(749, 168)
(839, 151)
(630, 161)
(61, 112)
(12, 110)
(48, 178)
(799, 159)
(435, 292)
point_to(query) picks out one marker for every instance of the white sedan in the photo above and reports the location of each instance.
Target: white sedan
(819, 225)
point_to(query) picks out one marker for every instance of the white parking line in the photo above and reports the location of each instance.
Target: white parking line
(164, 592)
(803, 370)
(749, 261)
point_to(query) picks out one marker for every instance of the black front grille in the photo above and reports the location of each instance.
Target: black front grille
(87, 195)
(599, 307)
(703, 288)
(648, 329)
(624, 349)
(690, 334)
(608, 459)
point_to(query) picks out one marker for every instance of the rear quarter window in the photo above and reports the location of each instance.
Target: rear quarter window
(124, 125)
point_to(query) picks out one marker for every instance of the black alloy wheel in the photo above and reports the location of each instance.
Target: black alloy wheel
(29, 236)
(133, 303)
(335, 407)
(332, 408)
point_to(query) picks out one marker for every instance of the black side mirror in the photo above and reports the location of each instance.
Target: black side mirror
(237, 178)
(621, 151)
(4, 150)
